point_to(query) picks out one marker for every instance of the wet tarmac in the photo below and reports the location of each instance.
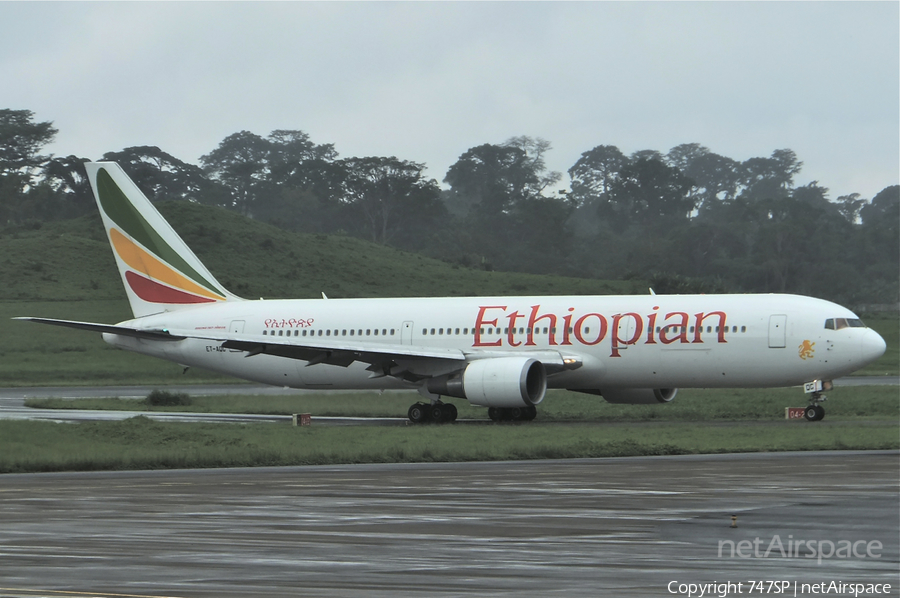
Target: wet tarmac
(587, 527)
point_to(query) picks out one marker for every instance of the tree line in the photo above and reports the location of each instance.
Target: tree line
(688, 220)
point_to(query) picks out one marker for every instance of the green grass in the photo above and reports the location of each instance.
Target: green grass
(868, 403)
(71, 260)
(140, 443)
(568, 425)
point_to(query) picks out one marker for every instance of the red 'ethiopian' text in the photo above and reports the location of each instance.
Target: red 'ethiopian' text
(592, 328)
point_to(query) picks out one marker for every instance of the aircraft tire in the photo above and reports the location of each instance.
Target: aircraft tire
(814, 413)
(531, 413)
(820, 413)
(450, 412)
(438, 413)
(417, 413)
(495, 414)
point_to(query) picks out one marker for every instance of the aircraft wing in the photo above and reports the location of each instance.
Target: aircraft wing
(156, 335)
(409, 362)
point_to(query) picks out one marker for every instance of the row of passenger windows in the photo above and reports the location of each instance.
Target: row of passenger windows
(465, 331)
(455, 331)
(307, 332)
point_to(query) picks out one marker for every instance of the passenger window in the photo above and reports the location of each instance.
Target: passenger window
(457, 331)
(328, 333)
(432, 331)
(264, 332)
(743, 329)
(424, 331)
(280, 332)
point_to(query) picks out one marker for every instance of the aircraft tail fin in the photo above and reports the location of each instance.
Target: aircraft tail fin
(158, 269)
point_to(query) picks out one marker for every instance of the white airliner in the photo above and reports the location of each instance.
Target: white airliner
(498, 352)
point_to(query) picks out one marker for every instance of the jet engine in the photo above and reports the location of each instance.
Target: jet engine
(496, 382)
(639, 396)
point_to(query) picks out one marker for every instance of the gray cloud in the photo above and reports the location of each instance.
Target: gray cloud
(426, 81)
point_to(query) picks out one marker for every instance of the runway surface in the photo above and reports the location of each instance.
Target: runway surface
(589, 527)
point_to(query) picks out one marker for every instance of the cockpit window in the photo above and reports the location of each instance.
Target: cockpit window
(839, 323)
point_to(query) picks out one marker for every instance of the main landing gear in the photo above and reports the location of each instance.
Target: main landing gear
(516, 414)
(815, 412)
(437, 412)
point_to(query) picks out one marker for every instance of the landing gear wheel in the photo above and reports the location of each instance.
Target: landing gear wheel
(495, 414)
(438, 413)
(814, 413)
(417, 413)
(820, 413)
(449, 412)
(530, 413)
(517, 414)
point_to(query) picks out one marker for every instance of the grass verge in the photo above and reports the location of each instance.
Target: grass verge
(141, 443)
(568, 425)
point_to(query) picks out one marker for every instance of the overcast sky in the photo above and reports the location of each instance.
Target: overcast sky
(427, 81)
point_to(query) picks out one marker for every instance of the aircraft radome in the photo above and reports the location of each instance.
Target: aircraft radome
(499, 352)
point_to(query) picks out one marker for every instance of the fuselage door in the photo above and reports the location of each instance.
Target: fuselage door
(236, 327)
(777, 331)
(406, 333)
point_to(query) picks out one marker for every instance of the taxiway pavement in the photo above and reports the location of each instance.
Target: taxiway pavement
(586, 527)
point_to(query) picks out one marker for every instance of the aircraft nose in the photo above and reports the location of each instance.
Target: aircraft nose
(873, 346)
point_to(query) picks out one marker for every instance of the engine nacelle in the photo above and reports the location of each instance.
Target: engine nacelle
(639, 396)
(496, 382)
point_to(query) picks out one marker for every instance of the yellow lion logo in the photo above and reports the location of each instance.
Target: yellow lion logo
(806, 350)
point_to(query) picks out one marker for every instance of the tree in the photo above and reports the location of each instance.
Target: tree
(770, 177)
(491, 178)
(162, 176)
(391, 195)
(649, 191)
(68, 179)
(594, 173)
(20, 141)
(241, 163)
(850, 206)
